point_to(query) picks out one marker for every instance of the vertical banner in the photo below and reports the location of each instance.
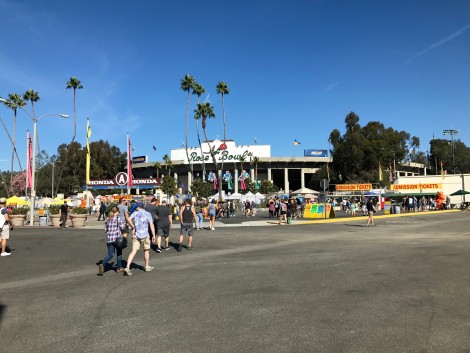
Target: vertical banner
(381, 177)
(442, 170)
(29, 169)
(391, 172)
(88, 134)
(129, 162)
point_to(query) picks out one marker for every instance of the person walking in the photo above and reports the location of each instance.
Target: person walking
(283, 213)
(102, 211)
(212, 213)
(370, 212)
(124, 214)
(141, 221)
(200, 218)
(164, 224)
(152, 209)
(113, 226)
(188, 216)
(63, 212)
(5, 226)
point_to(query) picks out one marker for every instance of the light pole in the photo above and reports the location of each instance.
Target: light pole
(33, 164)
(452, 133)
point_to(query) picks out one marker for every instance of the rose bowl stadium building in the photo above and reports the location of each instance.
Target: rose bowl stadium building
(239, 162)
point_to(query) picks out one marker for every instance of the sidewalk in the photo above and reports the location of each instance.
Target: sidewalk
(262, 219)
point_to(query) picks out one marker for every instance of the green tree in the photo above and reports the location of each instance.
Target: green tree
(168, 163)
(168, 186)
(201, 188)
(222, 89)
(187, 84)
(204, 111)
(157, 166)
(31, 96)
(14, 102)
(267, 187)
(74, 83)
(199, 90)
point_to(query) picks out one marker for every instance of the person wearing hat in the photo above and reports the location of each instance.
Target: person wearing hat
(141, 220)
(5, 226)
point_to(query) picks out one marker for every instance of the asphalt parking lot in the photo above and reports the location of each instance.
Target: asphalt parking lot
(402, 286)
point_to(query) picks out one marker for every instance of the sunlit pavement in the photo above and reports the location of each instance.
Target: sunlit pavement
(401, 286)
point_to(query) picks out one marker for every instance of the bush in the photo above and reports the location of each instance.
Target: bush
(19, 210)
(54, 209)
(81, 210)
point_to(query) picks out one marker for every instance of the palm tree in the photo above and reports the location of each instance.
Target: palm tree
(222, 89)
(168, 163)
(158, 165)
(31, 96)
(187, 84)
(14, 102)
(199, 90)
(255, 161)
(75, 84)
(206, 110)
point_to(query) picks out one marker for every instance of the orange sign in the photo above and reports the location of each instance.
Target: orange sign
(416, 187)
(353, 187)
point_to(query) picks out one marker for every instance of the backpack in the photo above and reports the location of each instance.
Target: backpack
(2, 217)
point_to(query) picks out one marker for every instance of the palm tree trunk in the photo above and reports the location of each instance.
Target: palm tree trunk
(202, 154)
(11, 141)
(213, 159)
(13, 147)
(187, 131)
(222, 163)
(73, 139)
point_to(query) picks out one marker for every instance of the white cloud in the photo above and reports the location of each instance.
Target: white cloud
(331, 86)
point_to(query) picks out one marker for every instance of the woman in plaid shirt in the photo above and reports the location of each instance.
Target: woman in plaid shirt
(113, 228)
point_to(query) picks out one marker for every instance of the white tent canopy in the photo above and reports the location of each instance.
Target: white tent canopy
(305, 191)
(235, 196)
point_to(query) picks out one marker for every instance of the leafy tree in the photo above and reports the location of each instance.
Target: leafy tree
(267, 187)
(168, 185)
(18, 183)
(441, 151)
(201, 188)
(357, 153)
(187, 84)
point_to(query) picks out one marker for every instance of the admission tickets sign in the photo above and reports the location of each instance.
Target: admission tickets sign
(317, 210)
(353, 187)
(416, 187)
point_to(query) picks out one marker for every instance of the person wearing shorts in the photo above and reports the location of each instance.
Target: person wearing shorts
(212, 213)
(164, 224)
(141, 221)
(5, 226)
(188, 217)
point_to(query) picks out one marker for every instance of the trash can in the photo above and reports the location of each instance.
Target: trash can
(43, 221)
(397, 209)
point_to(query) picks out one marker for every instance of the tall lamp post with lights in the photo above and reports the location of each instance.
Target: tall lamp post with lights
(452, 133)
(33, 163)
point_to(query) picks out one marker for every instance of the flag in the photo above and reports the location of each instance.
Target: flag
(391, 172)
(442, 170)
(381, 177)
(88, 134)
(129, 162)
(296, 143)
(154, 148)
(29, 168)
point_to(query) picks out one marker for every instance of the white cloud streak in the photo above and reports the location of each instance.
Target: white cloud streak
(439, 43)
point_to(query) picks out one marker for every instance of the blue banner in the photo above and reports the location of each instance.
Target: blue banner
(315, 153)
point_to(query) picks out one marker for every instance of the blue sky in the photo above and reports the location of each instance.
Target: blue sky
(295, 69)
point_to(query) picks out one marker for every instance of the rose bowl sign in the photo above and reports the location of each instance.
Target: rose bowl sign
(120, 182)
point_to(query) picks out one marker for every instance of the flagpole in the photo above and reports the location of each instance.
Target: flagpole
(87, 176)
(27, 164)
(129, 165)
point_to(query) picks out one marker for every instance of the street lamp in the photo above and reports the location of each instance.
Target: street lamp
(452, 133)
(33, 166)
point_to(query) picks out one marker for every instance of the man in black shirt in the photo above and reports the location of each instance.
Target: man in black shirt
(188, 216)
(164, 223)
(64, 210)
